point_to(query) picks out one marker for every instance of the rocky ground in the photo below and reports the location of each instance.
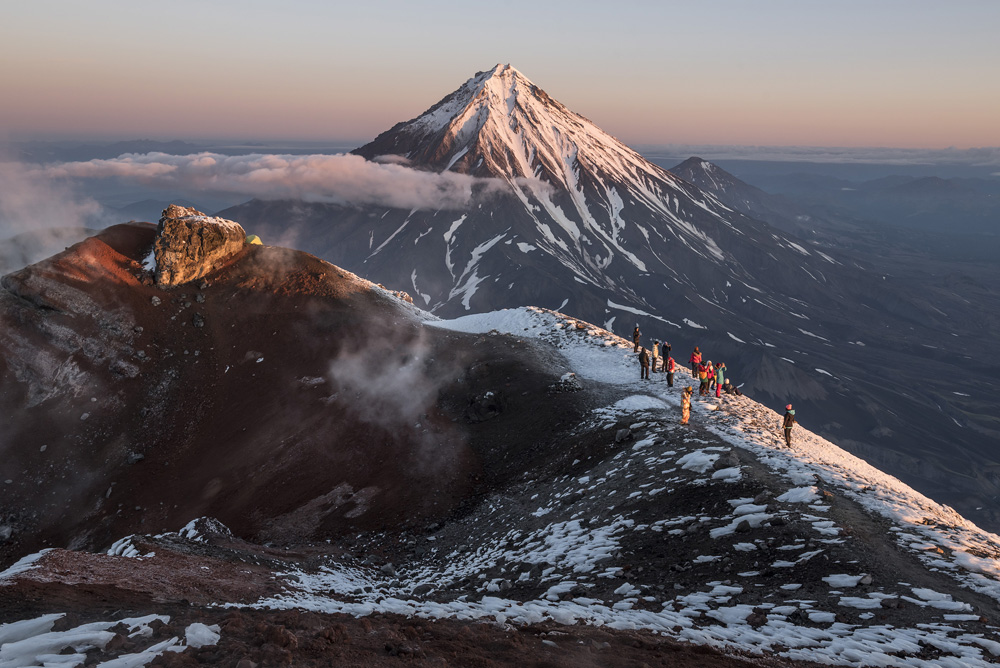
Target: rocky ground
(544, 508)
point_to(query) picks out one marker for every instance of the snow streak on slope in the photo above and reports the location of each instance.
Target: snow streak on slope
(578, 524)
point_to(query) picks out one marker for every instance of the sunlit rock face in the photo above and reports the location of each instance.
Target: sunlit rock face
(190, 244)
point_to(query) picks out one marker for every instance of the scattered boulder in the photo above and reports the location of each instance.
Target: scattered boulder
(568, 383)
(190, 244)
(757, 618)
(485, 406)
(398, 294)
(726, 461)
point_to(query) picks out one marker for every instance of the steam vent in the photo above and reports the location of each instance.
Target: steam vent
(190, 244)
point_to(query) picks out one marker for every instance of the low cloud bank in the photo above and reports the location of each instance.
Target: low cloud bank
(30, 201)
(339, 179)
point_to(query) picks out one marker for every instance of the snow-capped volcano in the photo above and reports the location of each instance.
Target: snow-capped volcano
(559, 204)
(584, 194)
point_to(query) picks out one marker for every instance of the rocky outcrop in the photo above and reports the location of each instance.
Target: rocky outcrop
(190, 244)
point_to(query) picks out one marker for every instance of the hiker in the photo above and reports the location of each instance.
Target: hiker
(669, 366)
(695, 361)
(656, 352)
(720, 377)
(635, 338)
(703, 379)
(686, 405)
(644, 364)
(709, 376)
(665, 350)
(729, 388)
(789, 421)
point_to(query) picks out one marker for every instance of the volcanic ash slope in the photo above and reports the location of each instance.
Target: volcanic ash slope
(712, 533)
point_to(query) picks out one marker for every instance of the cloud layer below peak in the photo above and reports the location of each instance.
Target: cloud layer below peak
(340, 178)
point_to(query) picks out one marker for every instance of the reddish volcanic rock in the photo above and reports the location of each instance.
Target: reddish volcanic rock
(190, 244)
(284, 396)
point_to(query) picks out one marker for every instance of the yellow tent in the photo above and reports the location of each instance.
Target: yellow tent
(254, 239)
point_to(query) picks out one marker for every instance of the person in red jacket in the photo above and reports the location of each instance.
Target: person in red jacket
(695, 361)
(670, 365)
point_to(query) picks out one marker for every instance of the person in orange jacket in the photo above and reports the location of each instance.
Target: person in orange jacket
(702, 379)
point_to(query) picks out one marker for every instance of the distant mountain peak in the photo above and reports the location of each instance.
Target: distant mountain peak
(708, 176)
(694, 163)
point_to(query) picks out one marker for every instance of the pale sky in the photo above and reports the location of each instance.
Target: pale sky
(893, 73)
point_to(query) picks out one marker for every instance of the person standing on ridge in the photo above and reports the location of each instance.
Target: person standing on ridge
(665, 350)
(656, 352)
(789, 421)
(669, 365)
(695, 361)
(686, 404)
(644, 364)
(702, 379)
(635, 338)
(720, 378)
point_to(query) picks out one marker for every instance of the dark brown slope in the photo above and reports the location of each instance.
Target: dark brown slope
(284, 396)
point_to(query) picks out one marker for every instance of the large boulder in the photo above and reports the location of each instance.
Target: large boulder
(190, 244)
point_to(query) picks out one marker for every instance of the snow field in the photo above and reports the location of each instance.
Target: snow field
(32, 642)
(930, 530)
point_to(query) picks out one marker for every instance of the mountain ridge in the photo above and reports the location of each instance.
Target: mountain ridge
(620, 242)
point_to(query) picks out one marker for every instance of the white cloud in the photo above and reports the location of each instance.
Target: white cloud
(341, 178)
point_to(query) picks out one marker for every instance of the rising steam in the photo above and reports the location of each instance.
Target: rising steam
(395, 384)
(31, 201)
(340, 179)
(40, 217)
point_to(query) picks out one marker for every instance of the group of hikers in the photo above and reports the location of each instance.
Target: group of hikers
(711, 376)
